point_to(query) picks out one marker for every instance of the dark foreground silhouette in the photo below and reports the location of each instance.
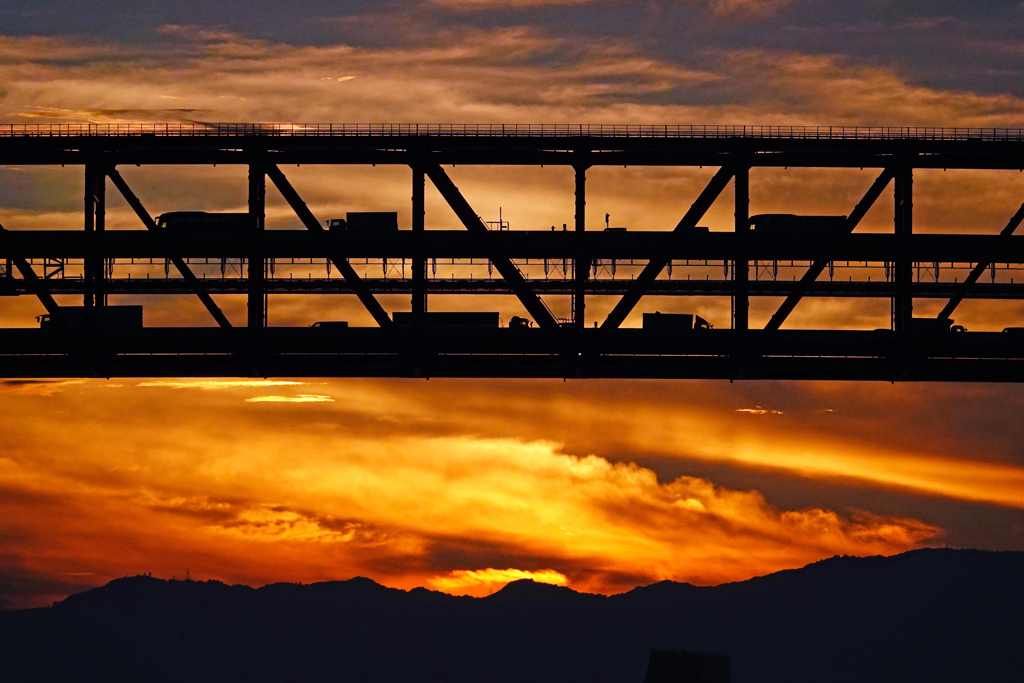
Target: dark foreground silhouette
(927, 615)
(680, 666)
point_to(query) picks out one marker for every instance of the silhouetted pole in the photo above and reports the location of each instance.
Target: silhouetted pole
(256, 275)
(419, 266)
(95, 221)
(741, 299)
(581, 264)
(903, 303)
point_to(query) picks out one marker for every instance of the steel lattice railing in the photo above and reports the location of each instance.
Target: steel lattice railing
(508, 130)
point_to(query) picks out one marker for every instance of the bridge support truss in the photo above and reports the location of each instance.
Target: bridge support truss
(586, 261)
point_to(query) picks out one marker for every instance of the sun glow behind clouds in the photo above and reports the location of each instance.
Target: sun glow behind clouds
(301, 398)
(219, 383)
(478, 582)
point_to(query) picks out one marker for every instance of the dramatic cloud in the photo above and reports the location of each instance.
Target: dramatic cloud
(502, 74)
(258, 492)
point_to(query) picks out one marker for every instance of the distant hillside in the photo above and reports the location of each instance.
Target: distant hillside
(927, 615)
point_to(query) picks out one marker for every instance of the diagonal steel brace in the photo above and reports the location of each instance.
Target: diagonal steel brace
(979, 269)
(311, 223)
(654, 267)
(819, 265)
(179, 263)
(39, 288)
(533, 303)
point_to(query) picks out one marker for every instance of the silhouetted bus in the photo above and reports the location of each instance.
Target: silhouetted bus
(372, 221)
(201, 221)
(106, 317)
(675, 322)
(788, 223)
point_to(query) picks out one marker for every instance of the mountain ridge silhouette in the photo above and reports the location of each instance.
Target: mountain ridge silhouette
(930, 614)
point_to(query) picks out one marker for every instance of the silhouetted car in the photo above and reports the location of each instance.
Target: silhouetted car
(331, 325)
(518, 322)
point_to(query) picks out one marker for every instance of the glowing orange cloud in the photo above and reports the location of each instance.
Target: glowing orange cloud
(259, 492)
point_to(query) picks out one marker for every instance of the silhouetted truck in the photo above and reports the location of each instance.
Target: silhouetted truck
(447, 319)
(934, 326)
(680, 666)
(201, 221)
(675, 322)
(368, 221)
(102, 317)
(791, 224)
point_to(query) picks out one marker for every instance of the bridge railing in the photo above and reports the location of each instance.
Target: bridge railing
(517, 130)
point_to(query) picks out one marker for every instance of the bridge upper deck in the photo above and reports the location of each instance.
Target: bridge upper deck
(515, 144)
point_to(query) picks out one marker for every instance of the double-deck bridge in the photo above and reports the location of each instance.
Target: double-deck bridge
(95, 263)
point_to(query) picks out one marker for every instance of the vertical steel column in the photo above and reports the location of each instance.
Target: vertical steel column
(903, 303)
(94, 270)
(419, 264)
(580, 264)
(256, 275)
(740, 271)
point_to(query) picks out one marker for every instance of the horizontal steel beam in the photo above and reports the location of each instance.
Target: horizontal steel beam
(377, 352)
(693, 245)
(504, 150)
(551, 286)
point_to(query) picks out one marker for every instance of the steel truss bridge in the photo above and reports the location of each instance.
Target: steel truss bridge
(900, 266)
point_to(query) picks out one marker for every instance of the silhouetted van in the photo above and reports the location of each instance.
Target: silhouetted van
(201, 221)
(105, 317)
(790, 224)
(675, 322)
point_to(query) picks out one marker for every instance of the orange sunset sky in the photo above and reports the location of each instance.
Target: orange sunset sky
(464, 485)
